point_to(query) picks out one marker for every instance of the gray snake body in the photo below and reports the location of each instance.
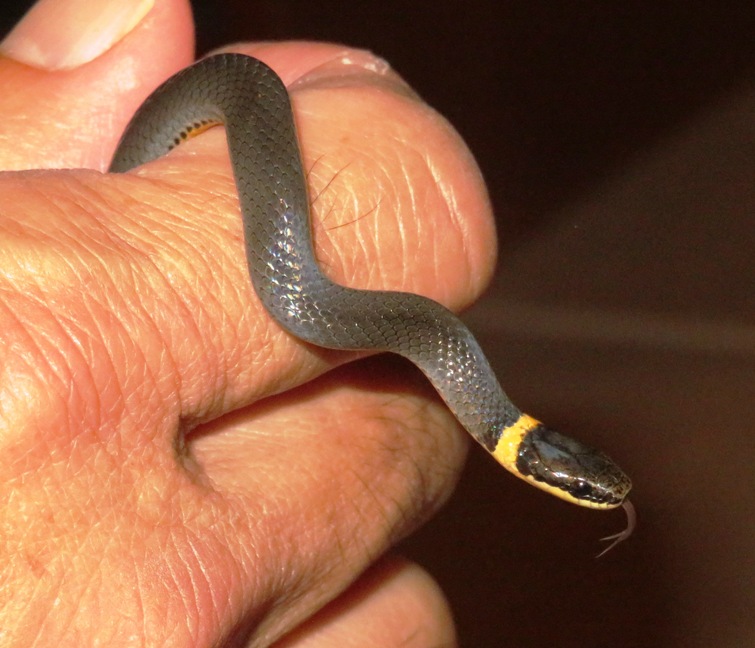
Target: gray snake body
(253, 104)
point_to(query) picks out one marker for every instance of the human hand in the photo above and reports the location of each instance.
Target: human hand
(176, 470)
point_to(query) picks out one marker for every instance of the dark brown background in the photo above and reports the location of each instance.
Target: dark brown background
(618, 141)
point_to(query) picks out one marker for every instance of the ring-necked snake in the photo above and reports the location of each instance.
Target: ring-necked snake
(251, 101)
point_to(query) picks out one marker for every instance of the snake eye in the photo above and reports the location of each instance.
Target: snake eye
(581, 490)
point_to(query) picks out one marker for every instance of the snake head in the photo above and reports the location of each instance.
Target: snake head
(571, 470)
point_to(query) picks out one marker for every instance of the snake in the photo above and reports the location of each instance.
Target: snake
(249, 99)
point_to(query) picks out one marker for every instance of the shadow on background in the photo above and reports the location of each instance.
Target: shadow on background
(617, 142)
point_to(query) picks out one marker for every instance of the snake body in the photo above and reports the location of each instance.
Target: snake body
(247, 97)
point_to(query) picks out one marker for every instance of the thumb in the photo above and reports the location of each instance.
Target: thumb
(73, 71)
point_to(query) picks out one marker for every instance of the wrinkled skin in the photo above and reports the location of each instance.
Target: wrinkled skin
(175, 470)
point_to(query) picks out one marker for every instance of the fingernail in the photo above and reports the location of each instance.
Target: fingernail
(351, 67)
(63, 34)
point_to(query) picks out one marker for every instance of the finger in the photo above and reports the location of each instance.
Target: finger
(396, 603)
(361, 128)
(369, 451)
(73, 72)
(414, 207)
(320, 480)
(294, 497)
